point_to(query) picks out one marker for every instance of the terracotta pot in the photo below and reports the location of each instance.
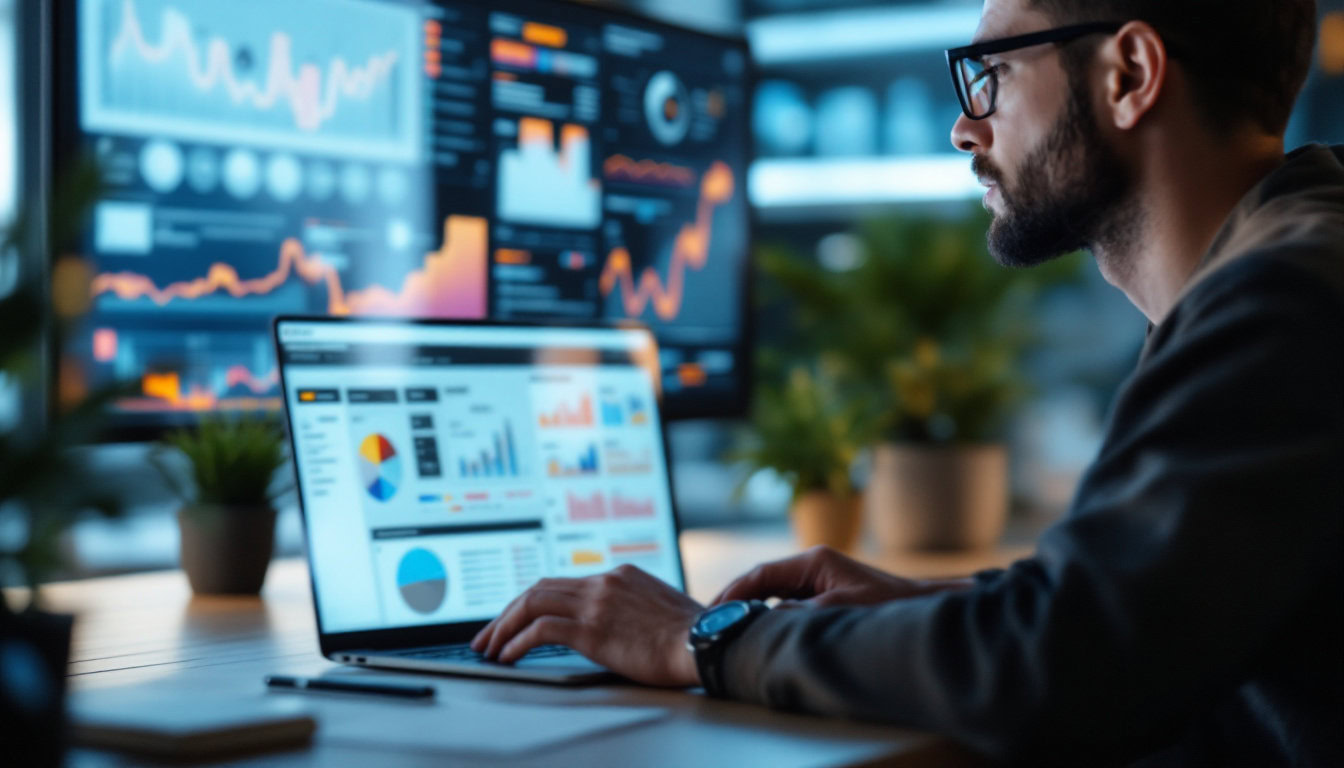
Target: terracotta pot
(821, 517)
(226, 550)
(937, 497)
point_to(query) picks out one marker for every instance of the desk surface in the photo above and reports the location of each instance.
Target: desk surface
(148, 630)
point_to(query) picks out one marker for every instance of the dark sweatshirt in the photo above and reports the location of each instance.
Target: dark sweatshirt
(1189, 610)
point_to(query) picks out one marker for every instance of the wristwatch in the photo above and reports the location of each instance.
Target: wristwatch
(711, 633)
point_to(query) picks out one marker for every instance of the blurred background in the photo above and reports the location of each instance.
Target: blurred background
(853, 178)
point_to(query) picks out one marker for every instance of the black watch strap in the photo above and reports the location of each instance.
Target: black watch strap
(709, 655)
(711, 673)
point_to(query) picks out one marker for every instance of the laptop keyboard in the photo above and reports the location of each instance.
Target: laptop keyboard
(463, 652)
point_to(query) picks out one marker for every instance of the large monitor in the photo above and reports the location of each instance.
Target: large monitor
(511, 159)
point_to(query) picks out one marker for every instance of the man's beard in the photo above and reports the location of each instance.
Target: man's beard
(1071, 192)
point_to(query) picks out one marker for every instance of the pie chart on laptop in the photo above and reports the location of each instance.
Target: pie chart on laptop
(422, 580)
(379, 466)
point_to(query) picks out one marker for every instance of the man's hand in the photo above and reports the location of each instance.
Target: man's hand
(821, 577)
(626, 620)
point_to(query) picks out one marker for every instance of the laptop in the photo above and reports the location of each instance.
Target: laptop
(444, 467)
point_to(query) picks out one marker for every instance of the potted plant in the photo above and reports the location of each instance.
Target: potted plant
(44, 488)
(930, 333)
(227, 518)
(805, 433)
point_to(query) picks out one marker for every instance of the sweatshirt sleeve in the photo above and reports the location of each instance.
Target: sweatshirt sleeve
(1210, 517)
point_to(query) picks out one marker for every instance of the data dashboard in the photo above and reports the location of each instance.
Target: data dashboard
(444, 469)
(508, 160)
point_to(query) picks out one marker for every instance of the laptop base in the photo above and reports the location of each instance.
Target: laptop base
(568, 668)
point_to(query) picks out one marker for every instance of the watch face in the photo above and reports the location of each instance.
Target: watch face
(721, 618)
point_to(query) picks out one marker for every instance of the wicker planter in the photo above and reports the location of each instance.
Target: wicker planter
(938, 497)
(226, 550)
(820, 517)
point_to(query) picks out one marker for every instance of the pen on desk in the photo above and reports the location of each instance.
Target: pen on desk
(398, 690)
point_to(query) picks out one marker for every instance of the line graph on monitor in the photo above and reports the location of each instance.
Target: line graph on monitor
(451, 282)
(240, 376)
(225, 367)
(690, 251)
(240, 389)
(626, 169)
(203, 70)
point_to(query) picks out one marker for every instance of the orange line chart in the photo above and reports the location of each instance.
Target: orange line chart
(164, 391)
(451, 283)
(690, 250)
(259, 385)
(168, 387)
(622, 168)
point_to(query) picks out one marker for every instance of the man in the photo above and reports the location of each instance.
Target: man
(1190, 609)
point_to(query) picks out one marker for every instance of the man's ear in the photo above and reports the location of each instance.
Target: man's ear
(1135, 63)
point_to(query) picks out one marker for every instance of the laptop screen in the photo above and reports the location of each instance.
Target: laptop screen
(443, 469)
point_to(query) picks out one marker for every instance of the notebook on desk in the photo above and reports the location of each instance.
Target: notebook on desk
(186, 728)
(445, 467)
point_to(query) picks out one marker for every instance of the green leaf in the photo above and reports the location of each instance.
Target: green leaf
(804, 431)
(926, 335)
(232, 462)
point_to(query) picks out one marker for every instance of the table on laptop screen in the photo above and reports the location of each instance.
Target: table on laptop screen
(444, 469)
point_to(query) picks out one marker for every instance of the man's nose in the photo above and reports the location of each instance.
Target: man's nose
(969, 135)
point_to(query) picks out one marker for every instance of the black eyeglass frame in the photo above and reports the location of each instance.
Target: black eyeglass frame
(1058, 35)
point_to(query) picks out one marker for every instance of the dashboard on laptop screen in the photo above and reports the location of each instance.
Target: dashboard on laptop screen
(445, 469)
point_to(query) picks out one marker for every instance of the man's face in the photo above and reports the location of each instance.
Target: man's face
(1054, 180)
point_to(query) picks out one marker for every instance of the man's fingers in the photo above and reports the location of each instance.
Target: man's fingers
(482, 639)
(754, 584)
(531, 605)
(782, 578)
(546, 630)
(739, 586)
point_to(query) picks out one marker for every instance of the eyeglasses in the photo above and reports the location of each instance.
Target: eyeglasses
(978, 85)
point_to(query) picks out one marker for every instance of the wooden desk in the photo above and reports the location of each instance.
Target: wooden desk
(148, 630)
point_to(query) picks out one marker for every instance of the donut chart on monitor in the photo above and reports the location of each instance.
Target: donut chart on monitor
(667, 108)
(379, 467)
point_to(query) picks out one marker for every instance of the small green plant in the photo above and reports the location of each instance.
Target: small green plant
(805, 432)
(926, 330)
(232, 462)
